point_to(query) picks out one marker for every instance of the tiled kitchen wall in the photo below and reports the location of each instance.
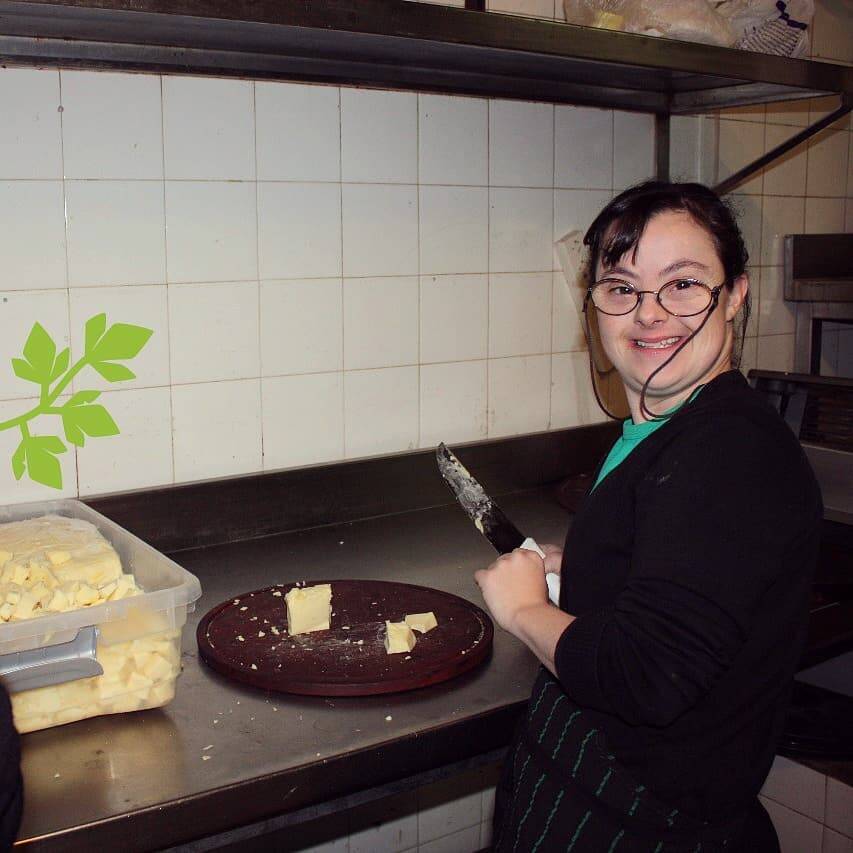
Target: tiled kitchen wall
(329, 272)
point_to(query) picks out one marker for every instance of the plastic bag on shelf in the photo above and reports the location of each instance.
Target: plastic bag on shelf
(770, 26)
(688, 20)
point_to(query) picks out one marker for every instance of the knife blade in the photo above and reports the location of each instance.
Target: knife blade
(487, 516)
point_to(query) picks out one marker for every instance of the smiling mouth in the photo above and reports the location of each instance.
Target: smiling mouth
(661, 343)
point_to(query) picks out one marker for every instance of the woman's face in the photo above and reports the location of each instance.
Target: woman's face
(672, 247)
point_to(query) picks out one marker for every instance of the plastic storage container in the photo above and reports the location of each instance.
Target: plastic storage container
(109, 658)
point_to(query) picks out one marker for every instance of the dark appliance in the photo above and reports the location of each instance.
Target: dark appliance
(820, 412)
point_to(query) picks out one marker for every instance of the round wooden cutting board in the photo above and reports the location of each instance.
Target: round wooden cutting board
(349, 659)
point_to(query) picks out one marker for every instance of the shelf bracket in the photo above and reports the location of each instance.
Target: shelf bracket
(662, 131)
(807, 133)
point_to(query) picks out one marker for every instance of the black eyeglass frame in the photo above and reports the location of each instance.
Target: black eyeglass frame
(713, 294)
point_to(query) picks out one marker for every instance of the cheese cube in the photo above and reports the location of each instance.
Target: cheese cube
(57, 558)
(421, 622)
(398, 638)
(309, 608)
(157, 668)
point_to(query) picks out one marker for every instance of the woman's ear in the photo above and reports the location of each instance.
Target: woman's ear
(736, 296)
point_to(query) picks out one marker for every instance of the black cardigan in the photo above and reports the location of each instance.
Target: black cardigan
(689, 569)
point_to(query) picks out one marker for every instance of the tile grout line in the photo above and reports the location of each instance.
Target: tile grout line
(488, 418)
(342, 270)
(61, 110)
(551, 307)
(172, 385)
(419, 429)
(254, 84)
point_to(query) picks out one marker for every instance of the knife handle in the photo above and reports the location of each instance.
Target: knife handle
(551, 578)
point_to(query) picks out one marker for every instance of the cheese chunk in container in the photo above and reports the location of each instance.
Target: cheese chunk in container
(90, 616)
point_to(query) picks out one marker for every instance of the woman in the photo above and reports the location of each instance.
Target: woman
(685, 575)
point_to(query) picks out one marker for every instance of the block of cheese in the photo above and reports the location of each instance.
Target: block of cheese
(421, 622)
(53, 564)
(309, 608)
(398, 638)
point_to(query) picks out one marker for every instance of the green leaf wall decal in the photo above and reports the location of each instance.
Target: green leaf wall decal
(42, 464)
(104, 347)
(120, 341)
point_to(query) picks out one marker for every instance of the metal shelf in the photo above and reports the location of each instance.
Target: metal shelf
(396, 44)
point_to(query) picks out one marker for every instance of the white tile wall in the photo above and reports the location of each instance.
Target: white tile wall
(519, 394)
(379, 136)
(454, 317)
(215, 331)
(272, 232)
(112, 125)
(633, 149)
(583, 152)
(298, 132)
(380, 230)
(143, 306)
(299, 230)
(520, 227)
(301, 326)
(452, 136)
(141, 454)
(19, 311)
(32, 234)
(115, 232)
(30, 135)
(453, 402)
(303, 419)
(298, 247)
(211, 231)
(216, 429)
(740, 143)
(380, 410)
(380, 322)
(454, 229)
(519, 313)
(521, 144)
(796, 786)
(208, 129)
(797, 833)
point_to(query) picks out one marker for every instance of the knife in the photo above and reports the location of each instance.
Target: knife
(487, 516)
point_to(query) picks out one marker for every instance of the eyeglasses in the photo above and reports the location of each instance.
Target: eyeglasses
(683, 298)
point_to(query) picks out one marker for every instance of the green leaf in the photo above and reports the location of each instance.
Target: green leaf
(121, 341)
(113, 372)
(41, 461)
(40, 351)
(51, 443)
(93, 420)
(95, 327)
(61, 364)
(24, 370)
(18, 465)
(83, 397)
(73, 432)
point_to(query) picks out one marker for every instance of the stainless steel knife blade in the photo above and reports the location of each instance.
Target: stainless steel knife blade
(487, 516)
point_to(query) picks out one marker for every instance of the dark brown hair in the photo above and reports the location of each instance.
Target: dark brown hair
(620, 226)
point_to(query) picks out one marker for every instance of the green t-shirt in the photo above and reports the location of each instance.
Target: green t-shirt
(632, 435)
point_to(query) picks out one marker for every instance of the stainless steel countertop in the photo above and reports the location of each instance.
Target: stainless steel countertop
(127, 773)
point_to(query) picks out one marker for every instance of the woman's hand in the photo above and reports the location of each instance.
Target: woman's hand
(553, 558)
(515, 592)
(513, 583)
